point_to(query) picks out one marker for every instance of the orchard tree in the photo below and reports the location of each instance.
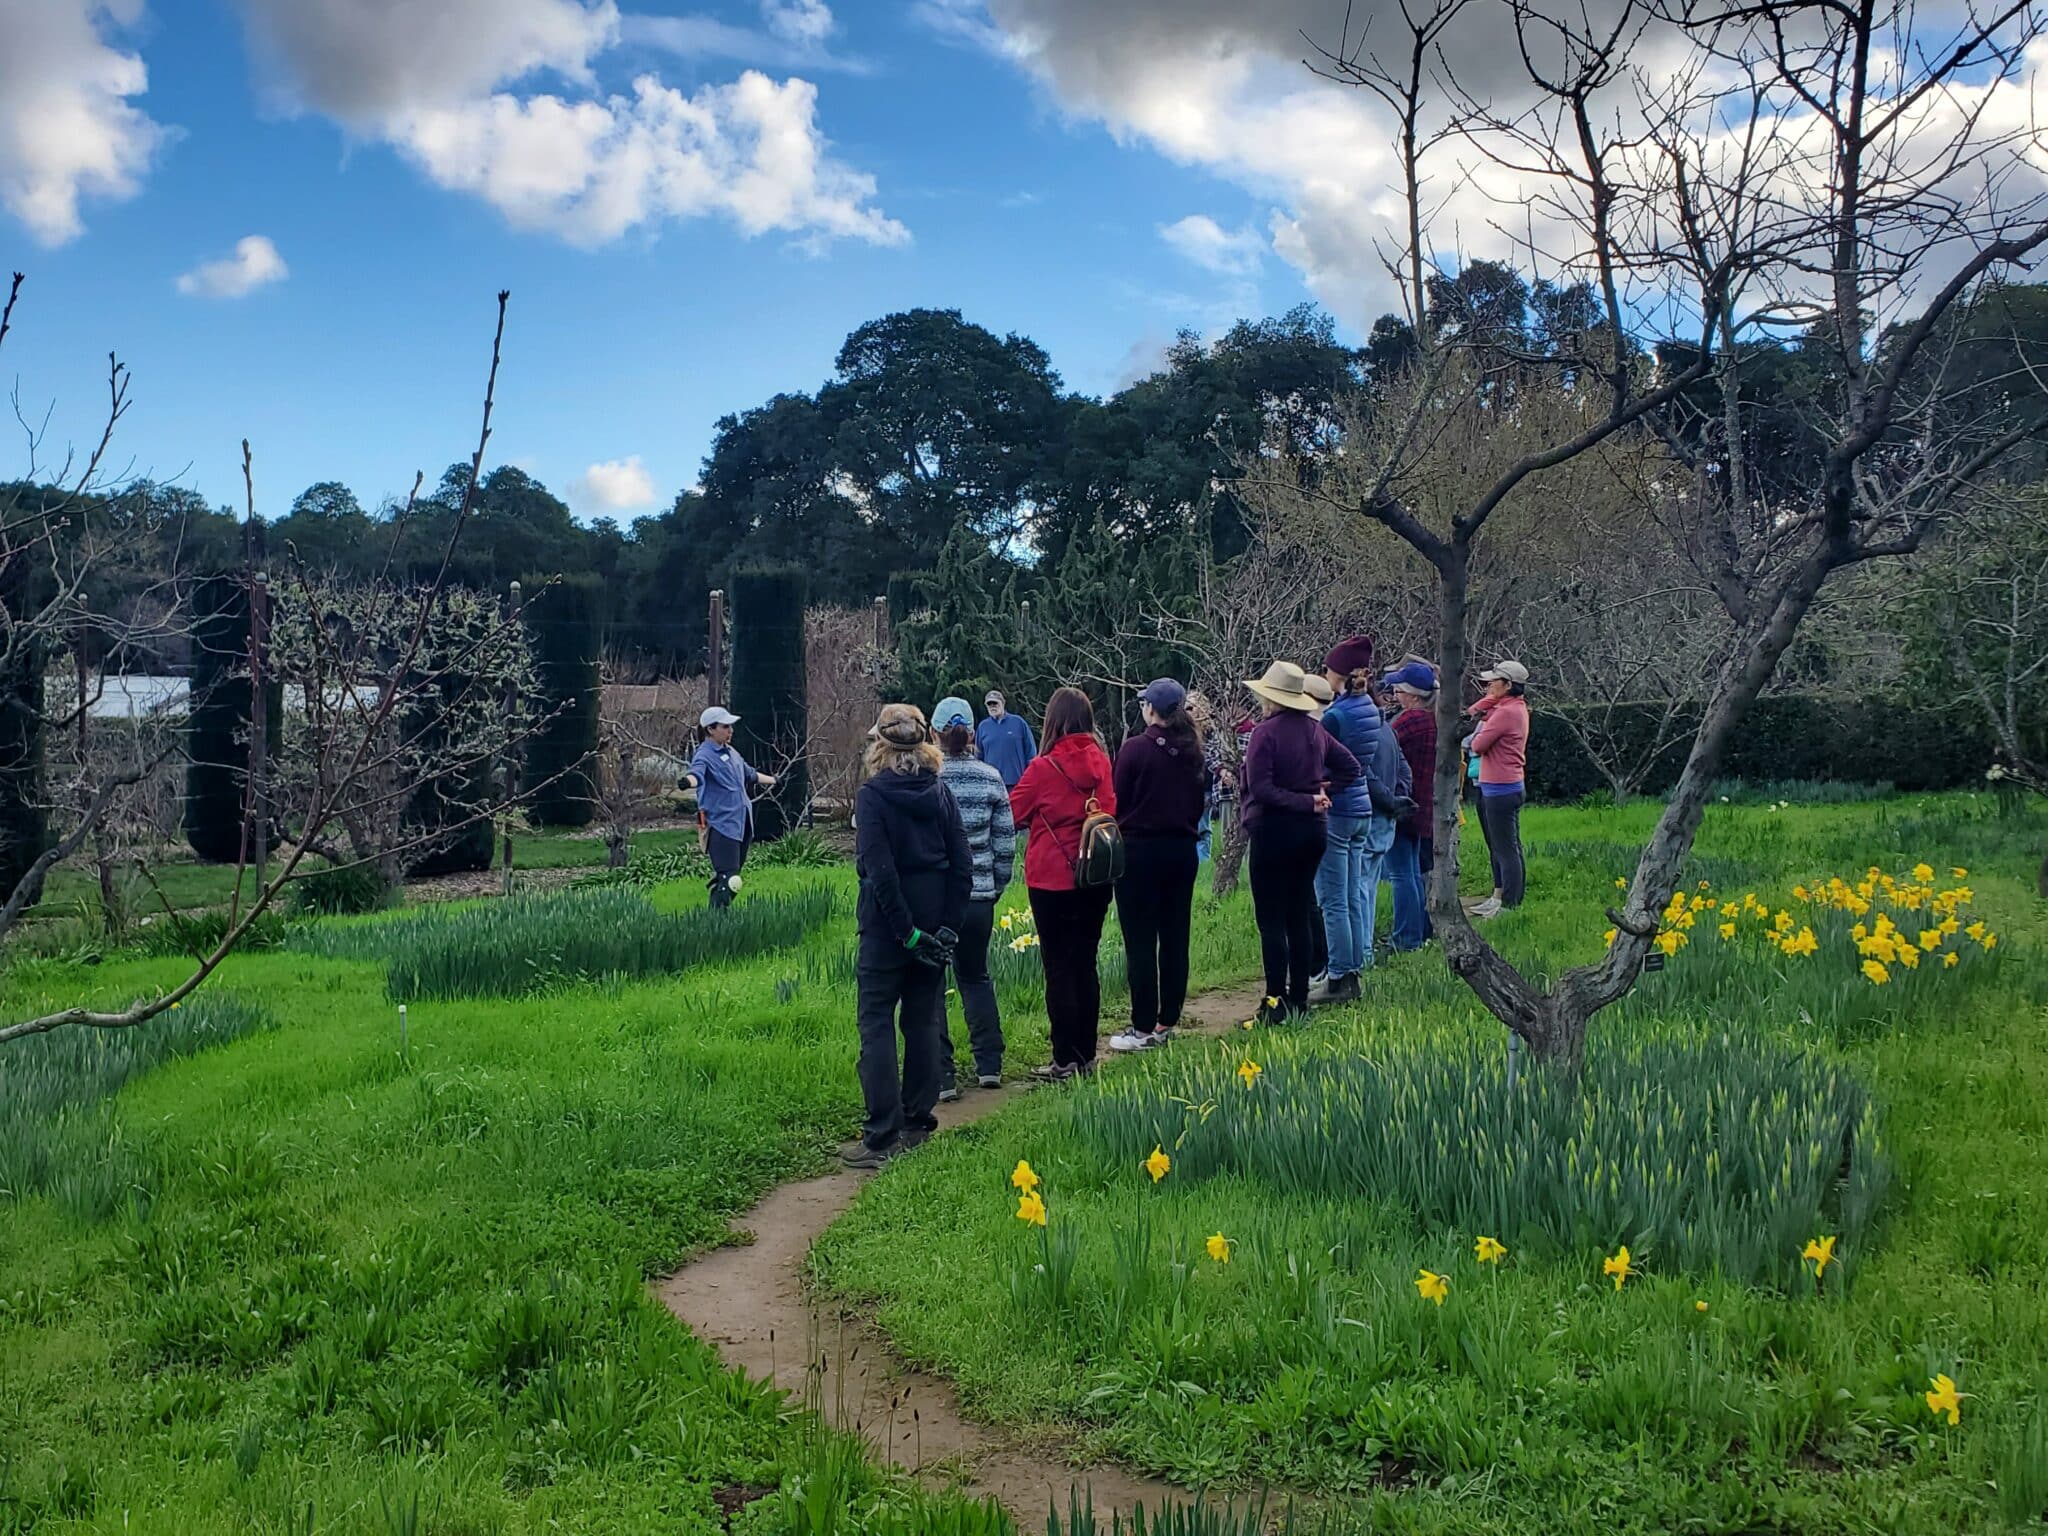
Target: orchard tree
(1857, 171)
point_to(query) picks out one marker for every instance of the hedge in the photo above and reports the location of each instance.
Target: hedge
(770, 684)
(563, 622)
(1910, 744)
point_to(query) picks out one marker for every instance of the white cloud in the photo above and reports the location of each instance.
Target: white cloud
(616, 485)
(436, 80)
(1231, 252)
(254, 265)
(591, 170)
(67, 127)
(807, 22)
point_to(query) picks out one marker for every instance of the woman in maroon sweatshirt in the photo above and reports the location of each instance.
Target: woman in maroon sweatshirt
(1050, 802)
(1290, 766)
(1162, 789)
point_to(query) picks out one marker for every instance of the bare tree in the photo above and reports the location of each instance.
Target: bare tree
(363, 697)
(641, 753)
(1806, 163)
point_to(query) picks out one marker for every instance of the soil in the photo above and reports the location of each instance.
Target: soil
(750, 1301)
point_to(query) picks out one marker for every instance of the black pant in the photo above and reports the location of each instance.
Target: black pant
(1069, 933)
(897, 991)
(727, 855)
(1500, 818)
(977, 997)
(1154, 904)
(1287, 847)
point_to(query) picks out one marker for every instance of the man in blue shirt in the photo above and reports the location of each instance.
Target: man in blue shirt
(720, 777)
(1005, 740)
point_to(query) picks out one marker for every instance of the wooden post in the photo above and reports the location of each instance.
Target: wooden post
(1024, 622)
(714, 680)
(881, 607)
(512, 755)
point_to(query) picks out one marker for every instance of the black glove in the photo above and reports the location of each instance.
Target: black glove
(933, 949)
(1403, 807)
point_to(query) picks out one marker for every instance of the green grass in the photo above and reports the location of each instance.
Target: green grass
(371, 1286)
(1538, 1397)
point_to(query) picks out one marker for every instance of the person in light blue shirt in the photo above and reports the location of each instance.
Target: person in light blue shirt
(721, 778)
(1005, 740)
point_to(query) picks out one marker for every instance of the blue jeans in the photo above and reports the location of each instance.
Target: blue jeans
(1379, 842)
(1344, 895)
(1404, 872)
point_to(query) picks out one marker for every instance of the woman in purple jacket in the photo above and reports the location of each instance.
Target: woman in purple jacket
(1290, 766)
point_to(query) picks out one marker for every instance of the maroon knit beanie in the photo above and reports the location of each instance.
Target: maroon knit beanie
(1349, 656)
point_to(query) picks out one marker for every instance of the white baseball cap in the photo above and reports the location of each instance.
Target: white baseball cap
(717, 714)
(1505, 672)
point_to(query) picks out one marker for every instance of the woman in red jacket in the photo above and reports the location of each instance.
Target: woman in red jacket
(1050, 802)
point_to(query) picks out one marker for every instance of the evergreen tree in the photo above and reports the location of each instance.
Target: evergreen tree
(24, 822)
(217, 721)
(770, 687)
(562, 620)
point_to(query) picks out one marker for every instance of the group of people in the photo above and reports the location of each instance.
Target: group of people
(1335, 790)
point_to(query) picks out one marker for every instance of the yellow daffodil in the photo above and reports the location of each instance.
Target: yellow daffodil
(1272, 1002)
(1950, 960)
(1799, 893)
(1875, 970)
(1621, 882)
(1802, 943)
(1699, 1306)
(1618, 1266)
(1030, 1208)
(1959, 873)
(1249, 1024)
(1949, 926)
(1946, 1399)
(1909, 957)
(1727, 930)
(1248, 1071)
(1975, 931)
(1159, 1165)
(1923, 872)
(1990, 941)
(1008, 922)
(1670, 941)
(1608, 936)
(1820, 1253)
(1782, 922)
(1859, 933)
(1490, 1251)
(1219, 1247)
(1930, 938)
(1023, 1176)
(1432, 1286)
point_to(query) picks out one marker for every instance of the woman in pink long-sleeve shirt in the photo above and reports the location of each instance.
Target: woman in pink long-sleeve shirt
(1502, 746)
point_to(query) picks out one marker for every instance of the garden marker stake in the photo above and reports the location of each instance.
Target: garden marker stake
(401, 1031)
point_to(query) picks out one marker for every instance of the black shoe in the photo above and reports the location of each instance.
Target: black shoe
(950, 1094)
(1343, 990)
(861, 1157)
(1271, 1013)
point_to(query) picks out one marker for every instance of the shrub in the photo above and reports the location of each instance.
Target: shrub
(344, 891)
(769, 690)
(199, 933)
(528, 943)
(659, 867)
(1795, 737)
(1706, 1151)
(563, 620)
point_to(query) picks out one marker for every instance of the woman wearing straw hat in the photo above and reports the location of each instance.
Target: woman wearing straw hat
(1290, 766)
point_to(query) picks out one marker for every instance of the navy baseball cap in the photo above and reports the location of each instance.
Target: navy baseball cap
(1163, 694)
(1415, 676)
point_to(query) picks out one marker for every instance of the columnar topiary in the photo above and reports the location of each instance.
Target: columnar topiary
(24, 824)
(770, 679)
(217, 720)
(562, 623)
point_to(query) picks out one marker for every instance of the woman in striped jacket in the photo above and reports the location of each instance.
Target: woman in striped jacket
(984, 802)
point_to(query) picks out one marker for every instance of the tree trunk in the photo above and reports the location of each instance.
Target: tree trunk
(1229, 856)
(618, 847)
(113, 912)
(2041, 880)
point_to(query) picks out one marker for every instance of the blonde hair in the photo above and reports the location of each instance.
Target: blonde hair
(901, 742)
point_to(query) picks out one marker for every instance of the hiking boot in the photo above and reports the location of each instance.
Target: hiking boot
(1271, 1013)
(950, 1094)
(1052, 1072)
(1343, 990)
(862, 1158)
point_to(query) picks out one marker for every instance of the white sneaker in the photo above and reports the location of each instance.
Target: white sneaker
(1488, 908)
(1319, 981)
(1319, 989)
(1125, 1041)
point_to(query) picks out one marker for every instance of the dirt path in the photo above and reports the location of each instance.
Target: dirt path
(750, 1301)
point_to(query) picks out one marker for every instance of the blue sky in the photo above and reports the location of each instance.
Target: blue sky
(365, 361)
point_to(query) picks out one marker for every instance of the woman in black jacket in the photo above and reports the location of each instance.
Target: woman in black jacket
(916, 873)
